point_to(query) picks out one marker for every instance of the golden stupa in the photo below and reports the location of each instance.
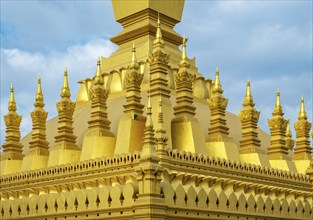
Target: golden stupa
(150, 138)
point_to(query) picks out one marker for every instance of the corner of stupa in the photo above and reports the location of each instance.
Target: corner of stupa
(149, 137)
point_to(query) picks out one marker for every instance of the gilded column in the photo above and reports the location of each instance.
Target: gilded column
(98, 141)
(278, 150)
(158, 60)
(187, 133)
(218, 142)
(38, 152)
(11, 157)
(302, 153)
(149, 173)
(65, 149)
(132, 124)
(250, 145)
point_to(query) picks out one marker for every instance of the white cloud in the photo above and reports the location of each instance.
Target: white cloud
(22, 67)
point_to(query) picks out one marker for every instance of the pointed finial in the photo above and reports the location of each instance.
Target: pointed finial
(39, 96)
(12, 103)
(134, 63)
(278, 110)
(278, 98)
(217, 84)
(98, 78)
(248, 100)
(158, 35)
(184, 58)
(302, 113)
(65, 92)
(248, 90)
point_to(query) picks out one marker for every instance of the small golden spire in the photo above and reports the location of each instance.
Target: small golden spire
(39, 97)
(134, 63)
(248, 90)
(98, 78)
(278, 110)
(184, 58)
(65, 92)
(278, 98)
(158, 33)
(158, 41)
(289, 141)
(288, 132)
(248, 101)
(302, 113)
(12, 103)
(217, 84)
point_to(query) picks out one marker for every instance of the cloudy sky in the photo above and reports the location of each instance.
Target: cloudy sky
(268, 42)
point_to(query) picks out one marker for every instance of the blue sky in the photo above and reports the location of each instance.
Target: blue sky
(268, 42)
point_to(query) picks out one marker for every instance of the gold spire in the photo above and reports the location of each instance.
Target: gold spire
(12, 148)
(39, 97)
(217, 104)
(303, 128)
(98, 78)
(249, 118)
(65, 92)
(12, 103)
(38, 144)
(158, 32)
(289, 141)
(248, 101)
(217, 84)
(134, 63)
(278, 108)
(158, 41)
(248, 90)
(184, 58)
(65, 139)
(277, 125)
(302, 113)
(278, 98)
